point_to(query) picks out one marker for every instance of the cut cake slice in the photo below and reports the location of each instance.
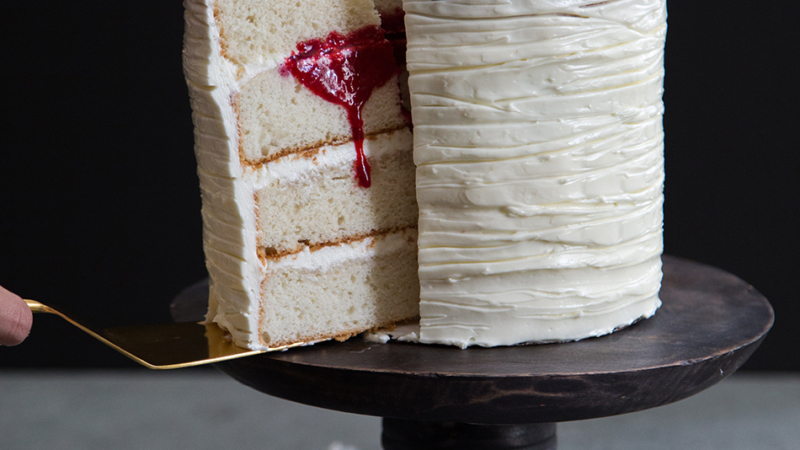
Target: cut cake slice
(306, 175)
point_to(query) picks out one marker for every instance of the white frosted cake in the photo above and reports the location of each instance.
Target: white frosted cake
(539, 150)
(538, 145)
(305, 166)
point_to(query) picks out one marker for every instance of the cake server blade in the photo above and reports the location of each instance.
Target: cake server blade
(164, 346)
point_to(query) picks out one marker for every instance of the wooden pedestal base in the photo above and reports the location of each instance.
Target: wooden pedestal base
(399, 434)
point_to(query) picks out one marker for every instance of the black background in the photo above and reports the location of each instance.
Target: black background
(99, 200)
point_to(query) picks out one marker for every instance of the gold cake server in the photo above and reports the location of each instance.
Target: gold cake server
(164, 346)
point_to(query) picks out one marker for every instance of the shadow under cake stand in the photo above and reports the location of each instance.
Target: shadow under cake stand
(441, 397)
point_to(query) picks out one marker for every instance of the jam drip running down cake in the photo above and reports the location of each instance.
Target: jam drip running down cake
(539, 149)
(344, 70)
(305, 166)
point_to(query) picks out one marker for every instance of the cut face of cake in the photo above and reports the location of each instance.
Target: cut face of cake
(305, 165)
(539, 149)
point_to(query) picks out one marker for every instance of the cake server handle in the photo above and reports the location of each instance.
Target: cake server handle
(171, 345)
(37, 307)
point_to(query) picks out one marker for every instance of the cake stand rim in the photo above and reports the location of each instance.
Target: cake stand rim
(560, 411)
(264, 374)
(669, 260)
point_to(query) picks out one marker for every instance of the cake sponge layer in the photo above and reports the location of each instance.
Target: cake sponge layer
(340, 290)
(278, 116)
(311, 199)
(257, 31)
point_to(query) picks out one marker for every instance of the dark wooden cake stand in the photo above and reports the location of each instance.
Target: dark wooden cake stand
(438, 397)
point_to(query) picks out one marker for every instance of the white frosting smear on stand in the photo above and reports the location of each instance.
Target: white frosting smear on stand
(538, 141)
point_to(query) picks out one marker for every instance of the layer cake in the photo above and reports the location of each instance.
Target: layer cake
(538, 147)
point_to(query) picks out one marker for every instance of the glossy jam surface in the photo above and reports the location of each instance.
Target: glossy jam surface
(344, 70)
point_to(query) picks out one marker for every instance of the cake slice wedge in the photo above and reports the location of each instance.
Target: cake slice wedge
(305, 167)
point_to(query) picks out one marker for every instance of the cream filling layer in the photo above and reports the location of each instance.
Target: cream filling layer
(539, 149)
(319, 261)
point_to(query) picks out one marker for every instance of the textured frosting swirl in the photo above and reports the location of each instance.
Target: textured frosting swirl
(538, 141)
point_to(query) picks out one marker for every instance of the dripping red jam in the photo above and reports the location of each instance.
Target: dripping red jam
(344, 70)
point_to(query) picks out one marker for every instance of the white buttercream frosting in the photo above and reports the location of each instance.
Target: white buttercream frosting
(539, 148)
(229, 237)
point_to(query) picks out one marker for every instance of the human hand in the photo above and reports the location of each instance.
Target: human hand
(15, 318)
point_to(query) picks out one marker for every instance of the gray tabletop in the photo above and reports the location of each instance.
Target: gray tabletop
(203, 409)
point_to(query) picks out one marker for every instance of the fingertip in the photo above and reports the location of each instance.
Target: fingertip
(25, 322)
(16, 320)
